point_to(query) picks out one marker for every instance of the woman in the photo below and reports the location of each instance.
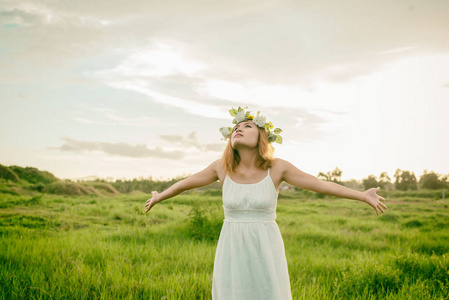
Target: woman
(250, 258)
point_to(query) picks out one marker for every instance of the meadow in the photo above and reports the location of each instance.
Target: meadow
(105, 247)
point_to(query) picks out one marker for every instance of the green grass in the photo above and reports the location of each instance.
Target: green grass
(94, 247)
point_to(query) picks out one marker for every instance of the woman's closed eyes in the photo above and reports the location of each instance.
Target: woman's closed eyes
(245, 126)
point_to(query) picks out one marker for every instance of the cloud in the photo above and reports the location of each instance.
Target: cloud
(397, 50)
(302, 126)
(115, 119)
(271, 42)
(167, 75)
(192, 141)
(47, 42)
(37, 14)
(117, 149)
(18, 18)
(134, 122)
(88, 121)
(160, 60)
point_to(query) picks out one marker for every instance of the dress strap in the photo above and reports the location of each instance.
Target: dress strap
(268, 171)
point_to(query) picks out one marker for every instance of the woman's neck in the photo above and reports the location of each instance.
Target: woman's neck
(248, 159)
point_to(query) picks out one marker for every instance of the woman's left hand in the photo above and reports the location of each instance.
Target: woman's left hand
(374, 200)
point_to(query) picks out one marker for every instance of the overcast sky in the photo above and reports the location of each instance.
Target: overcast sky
(125, 89)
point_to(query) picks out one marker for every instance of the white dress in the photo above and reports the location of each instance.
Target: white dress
(250, 260)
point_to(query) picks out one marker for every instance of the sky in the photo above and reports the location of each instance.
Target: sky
(129, 89)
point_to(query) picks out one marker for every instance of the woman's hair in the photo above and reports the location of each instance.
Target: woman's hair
(265, 159)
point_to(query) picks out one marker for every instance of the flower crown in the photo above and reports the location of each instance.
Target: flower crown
(241, 115)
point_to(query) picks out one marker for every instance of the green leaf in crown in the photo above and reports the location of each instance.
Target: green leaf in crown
(278, 139)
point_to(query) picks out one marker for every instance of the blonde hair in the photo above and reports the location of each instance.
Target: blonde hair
(265, 158)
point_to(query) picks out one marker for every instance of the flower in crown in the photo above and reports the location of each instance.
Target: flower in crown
(226, 131)
(241, 115)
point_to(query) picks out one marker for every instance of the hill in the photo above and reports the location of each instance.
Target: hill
(16, 180)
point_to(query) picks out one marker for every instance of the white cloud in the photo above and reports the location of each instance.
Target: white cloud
(135, 122)
(397, 50)
(38, 13)
(270, 43)
(143, 68)
(116, 149)
(192, 141)
(89, 121)
(316, 69)
(161, 59)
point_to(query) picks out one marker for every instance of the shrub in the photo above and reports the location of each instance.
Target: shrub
(413, 224)
(423, 193)
(70, 188)
(377, 278)
(204, 225)
(7, 174)
(34, 200)
(40, 187)
(101, 186)
(211, 192)
(434, 268)
(6, 190)
(33, 175)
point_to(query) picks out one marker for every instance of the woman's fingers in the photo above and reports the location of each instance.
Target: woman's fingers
(149, 200)
(148, 206)
(148, 203)
(381, 207)
(378, 206)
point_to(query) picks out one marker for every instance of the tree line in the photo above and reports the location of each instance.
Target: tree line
(403, 180)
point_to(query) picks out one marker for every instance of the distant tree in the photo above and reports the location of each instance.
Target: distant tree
(353, 184)
(334, 176)
(384, 179)
(370, 182)
(445, 179)
(405, 180)
(432, 180)
(144, 185)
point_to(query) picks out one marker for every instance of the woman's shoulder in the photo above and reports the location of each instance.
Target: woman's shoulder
(280, 165)
(278, 168)
(278, 162)
(219, 169)
(218, 166)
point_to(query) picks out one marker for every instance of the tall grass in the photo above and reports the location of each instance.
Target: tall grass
(106, 248)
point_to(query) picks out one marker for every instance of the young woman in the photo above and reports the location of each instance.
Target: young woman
(250, 260)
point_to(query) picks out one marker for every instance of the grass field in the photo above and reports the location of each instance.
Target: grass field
(91, 247)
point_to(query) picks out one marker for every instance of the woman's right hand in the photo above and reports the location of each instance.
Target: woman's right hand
(152, 201)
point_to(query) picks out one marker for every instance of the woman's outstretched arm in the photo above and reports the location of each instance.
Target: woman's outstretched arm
(298, 178)
(207, 176)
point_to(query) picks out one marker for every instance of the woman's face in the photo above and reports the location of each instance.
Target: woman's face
(245, 134)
